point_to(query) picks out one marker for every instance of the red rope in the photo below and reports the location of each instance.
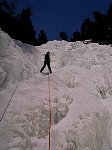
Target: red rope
(49, 146)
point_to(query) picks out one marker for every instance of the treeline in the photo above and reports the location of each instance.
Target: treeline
(99, 30)
(19, 26)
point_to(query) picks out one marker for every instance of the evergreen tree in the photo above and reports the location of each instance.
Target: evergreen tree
(4, 4)
(63, 36)
(18, 27)
(87, 29)
(42, 39)
(109, 11)
(26, 31)
(98, 31)
(76, 36)
(8, 6)
(100, 21)
(109, 25)
(12, 6)
(6, 19)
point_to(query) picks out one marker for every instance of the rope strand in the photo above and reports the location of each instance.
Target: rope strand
(10, 99)
(50, 122)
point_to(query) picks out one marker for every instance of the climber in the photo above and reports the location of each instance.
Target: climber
(46, 62)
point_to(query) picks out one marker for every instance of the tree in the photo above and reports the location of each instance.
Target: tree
(109, 25)
(4, 5)
(63, 36)
(26, 31)
(87, 29)
(100, 21)
(99, 30)
(42, 39)
(8, 6)
(76, 36)
(109, 11)
(18, 27)
(6, 19)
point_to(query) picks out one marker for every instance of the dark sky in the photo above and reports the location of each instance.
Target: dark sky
(54, 16)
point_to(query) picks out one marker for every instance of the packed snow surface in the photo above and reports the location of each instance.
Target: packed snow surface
(80, 93)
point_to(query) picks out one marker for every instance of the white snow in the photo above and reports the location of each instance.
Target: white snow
(81, 96)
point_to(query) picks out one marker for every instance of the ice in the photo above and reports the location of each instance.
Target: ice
(80, 94)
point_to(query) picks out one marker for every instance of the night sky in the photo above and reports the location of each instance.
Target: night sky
(54, 16)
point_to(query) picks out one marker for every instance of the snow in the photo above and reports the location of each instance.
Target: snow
(80, 91)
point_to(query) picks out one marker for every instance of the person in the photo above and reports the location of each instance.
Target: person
(46, 62)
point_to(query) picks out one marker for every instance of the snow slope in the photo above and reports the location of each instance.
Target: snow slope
(81, 96)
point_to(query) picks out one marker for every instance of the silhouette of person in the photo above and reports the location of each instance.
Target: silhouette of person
(46, 62)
